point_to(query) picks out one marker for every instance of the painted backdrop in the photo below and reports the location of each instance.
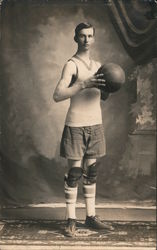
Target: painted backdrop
(36, 41)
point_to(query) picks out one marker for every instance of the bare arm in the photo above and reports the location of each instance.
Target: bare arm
(63, 91)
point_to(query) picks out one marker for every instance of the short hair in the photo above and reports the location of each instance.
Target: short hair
(82, 26)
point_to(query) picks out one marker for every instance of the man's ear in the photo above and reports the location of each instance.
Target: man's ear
(75, 39)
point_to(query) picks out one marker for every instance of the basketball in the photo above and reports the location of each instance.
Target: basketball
(114, 76)
(104, 95)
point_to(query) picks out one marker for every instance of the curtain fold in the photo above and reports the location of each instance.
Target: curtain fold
(136, 25)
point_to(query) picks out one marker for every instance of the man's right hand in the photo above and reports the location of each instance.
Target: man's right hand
(96, 81)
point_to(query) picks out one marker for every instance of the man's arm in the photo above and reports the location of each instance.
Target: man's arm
(63, 91)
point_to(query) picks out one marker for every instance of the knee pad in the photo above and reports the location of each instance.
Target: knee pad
(90, 175)
(73, 176)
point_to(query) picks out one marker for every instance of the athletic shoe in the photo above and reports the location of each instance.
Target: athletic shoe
(94, 222)
(70, 227)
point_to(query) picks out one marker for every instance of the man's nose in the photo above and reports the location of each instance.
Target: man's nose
(86, 39)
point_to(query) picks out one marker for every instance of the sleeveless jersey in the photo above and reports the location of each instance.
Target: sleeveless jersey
(84, 109)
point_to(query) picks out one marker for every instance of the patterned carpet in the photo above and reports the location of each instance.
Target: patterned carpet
(52, 233)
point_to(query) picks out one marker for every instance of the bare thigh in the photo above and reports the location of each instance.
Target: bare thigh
(74, 163)
(78, 163)
(87, 162)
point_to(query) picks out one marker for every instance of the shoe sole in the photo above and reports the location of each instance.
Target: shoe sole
(69, 235)
(99, 228)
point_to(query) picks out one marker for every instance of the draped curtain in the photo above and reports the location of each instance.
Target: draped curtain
(136, 25)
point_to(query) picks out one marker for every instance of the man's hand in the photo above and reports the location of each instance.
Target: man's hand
(95, 81)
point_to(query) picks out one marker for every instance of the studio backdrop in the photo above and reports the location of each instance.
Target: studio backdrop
(36, 41)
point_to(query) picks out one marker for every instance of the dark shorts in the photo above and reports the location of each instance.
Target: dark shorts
(79, 142)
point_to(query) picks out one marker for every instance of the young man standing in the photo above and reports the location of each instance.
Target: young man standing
(83, 136)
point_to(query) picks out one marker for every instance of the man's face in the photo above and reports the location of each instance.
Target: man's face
(85, 38)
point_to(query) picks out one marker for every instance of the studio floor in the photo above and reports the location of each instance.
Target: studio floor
(41, 227)
(50, 235)
(32, 229)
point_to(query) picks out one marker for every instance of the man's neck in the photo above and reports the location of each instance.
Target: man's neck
(83, 54)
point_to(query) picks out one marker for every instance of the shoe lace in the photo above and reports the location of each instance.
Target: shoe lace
(71, 222)
(96, 217)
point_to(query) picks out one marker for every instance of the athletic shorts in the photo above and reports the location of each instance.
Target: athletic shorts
(79, 142)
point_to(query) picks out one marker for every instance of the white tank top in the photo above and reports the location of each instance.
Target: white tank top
(84, 109)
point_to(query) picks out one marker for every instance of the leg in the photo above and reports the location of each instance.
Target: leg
(72, 147)
(71, 185)
(89, 185)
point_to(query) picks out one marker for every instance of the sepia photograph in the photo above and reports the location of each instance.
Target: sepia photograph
(78, 124)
